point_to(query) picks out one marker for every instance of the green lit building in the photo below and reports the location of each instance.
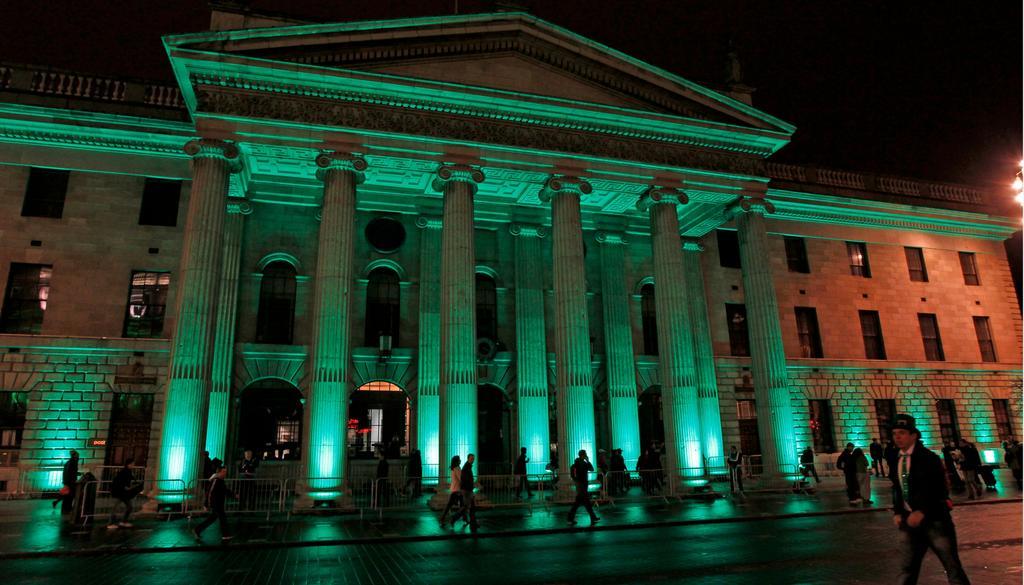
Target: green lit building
(466, 234)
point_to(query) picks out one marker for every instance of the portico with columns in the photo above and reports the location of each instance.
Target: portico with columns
(530, 207)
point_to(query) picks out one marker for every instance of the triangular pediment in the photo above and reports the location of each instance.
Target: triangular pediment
(507, 52)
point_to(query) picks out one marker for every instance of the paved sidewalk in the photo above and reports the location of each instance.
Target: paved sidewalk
(30, 528)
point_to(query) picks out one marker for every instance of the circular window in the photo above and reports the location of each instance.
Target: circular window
(385, 234)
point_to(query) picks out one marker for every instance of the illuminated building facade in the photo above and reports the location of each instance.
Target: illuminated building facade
(467, 234)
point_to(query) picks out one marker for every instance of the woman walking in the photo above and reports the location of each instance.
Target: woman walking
(455, 488)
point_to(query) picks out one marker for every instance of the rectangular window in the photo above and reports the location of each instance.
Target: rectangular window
(988, 348)
(160, 202)
(147, 300)
(796, 255)
(858, 254)
(871, 330)
(28, 288)
(949, 428)
(1004, 424)
(820, 413)
(807, 330)
(885, 412)
(746, 415)
(13, 407)
(45, 193)
(728, 249)
(930, 336)
(739, 340)
(915, 264)
(969, 266)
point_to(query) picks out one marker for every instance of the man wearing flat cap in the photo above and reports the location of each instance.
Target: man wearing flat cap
(921, 506)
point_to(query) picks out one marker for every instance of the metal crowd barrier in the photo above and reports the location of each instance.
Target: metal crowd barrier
(95, 500)
(252, 495)
(39, 481)
(624, 486)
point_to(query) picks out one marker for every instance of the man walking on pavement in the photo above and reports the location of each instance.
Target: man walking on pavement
(970, 466)
(467, 482)
(807, 460)
(921, 506)
(69, 477)
(580, 472)
(875, 451)
(124, 492)
(735, 462)
(520, 472)
(219, 492)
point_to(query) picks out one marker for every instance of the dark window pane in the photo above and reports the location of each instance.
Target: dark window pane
(739, 341)
(930, 336)
(885, 412)
(649, 319)
(969, 266)
(147, 300)
(28, 288)
(858, 255)
(385, 234)
(160, 202)
(820, 414)
(276, 317)
(871, 330)
(985, 343)
(45, 193)
(915, 264)
(807, 329)
(796, 255)
(728, 249)
(949, 427)
(486, 308)
(13, 408)
(1004, 422)
(382, 307)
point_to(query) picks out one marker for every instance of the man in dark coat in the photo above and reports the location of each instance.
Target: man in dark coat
(215, 500)
(891, 454)
(844, 464)
(468, 500)
(519, 470)
(970, 465)
(949, 459)
(382, 485)
(123, 489)
(580, 472)
(735, 462)
(69, 478)
(617, 468)
(247, 473)
(875, 451)
(921, 506)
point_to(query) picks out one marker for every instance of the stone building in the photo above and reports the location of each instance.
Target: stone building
(466, 234)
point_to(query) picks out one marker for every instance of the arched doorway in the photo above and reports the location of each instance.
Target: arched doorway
(494, 430)
(378, 415)
(652, 425)
(270, 420)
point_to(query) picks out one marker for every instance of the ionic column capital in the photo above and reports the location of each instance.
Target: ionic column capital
(565, 185)
(429, 222)
(661, 195)
(751, 204)
(528, 230)
(468, 174)
(692, 245)
(611, 238)
(340, 161)
(224, 150)
(239, 207)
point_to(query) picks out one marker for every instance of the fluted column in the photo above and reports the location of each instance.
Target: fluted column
(188, 384)
(704, 357)
(675, 340)
(618, 344)
(224, 334)
(429, 362)
(458, 392)
(332, 298)
(767, 356)
(572, 331)
(531, 346)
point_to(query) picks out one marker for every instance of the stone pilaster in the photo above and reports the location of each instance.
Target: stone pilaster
(618, 352)
(531, 346)
(704, 358)
(776, 424)
(330, 345)
(572, 331)
(188, 385)
(429, 362)
(224, 334)
(458, 392)
(675, 340)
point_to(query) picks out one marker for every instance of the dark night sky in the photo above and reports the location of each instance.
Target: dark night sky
(922, 89)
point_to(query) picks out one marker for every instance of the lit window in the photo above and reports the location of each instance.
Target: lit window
(858, 255)
(147, 301)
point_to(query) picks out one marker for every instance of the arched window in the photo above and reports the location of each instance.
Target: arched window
(486, 308)
(649, 319)
(382, 307)
(276, 319)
